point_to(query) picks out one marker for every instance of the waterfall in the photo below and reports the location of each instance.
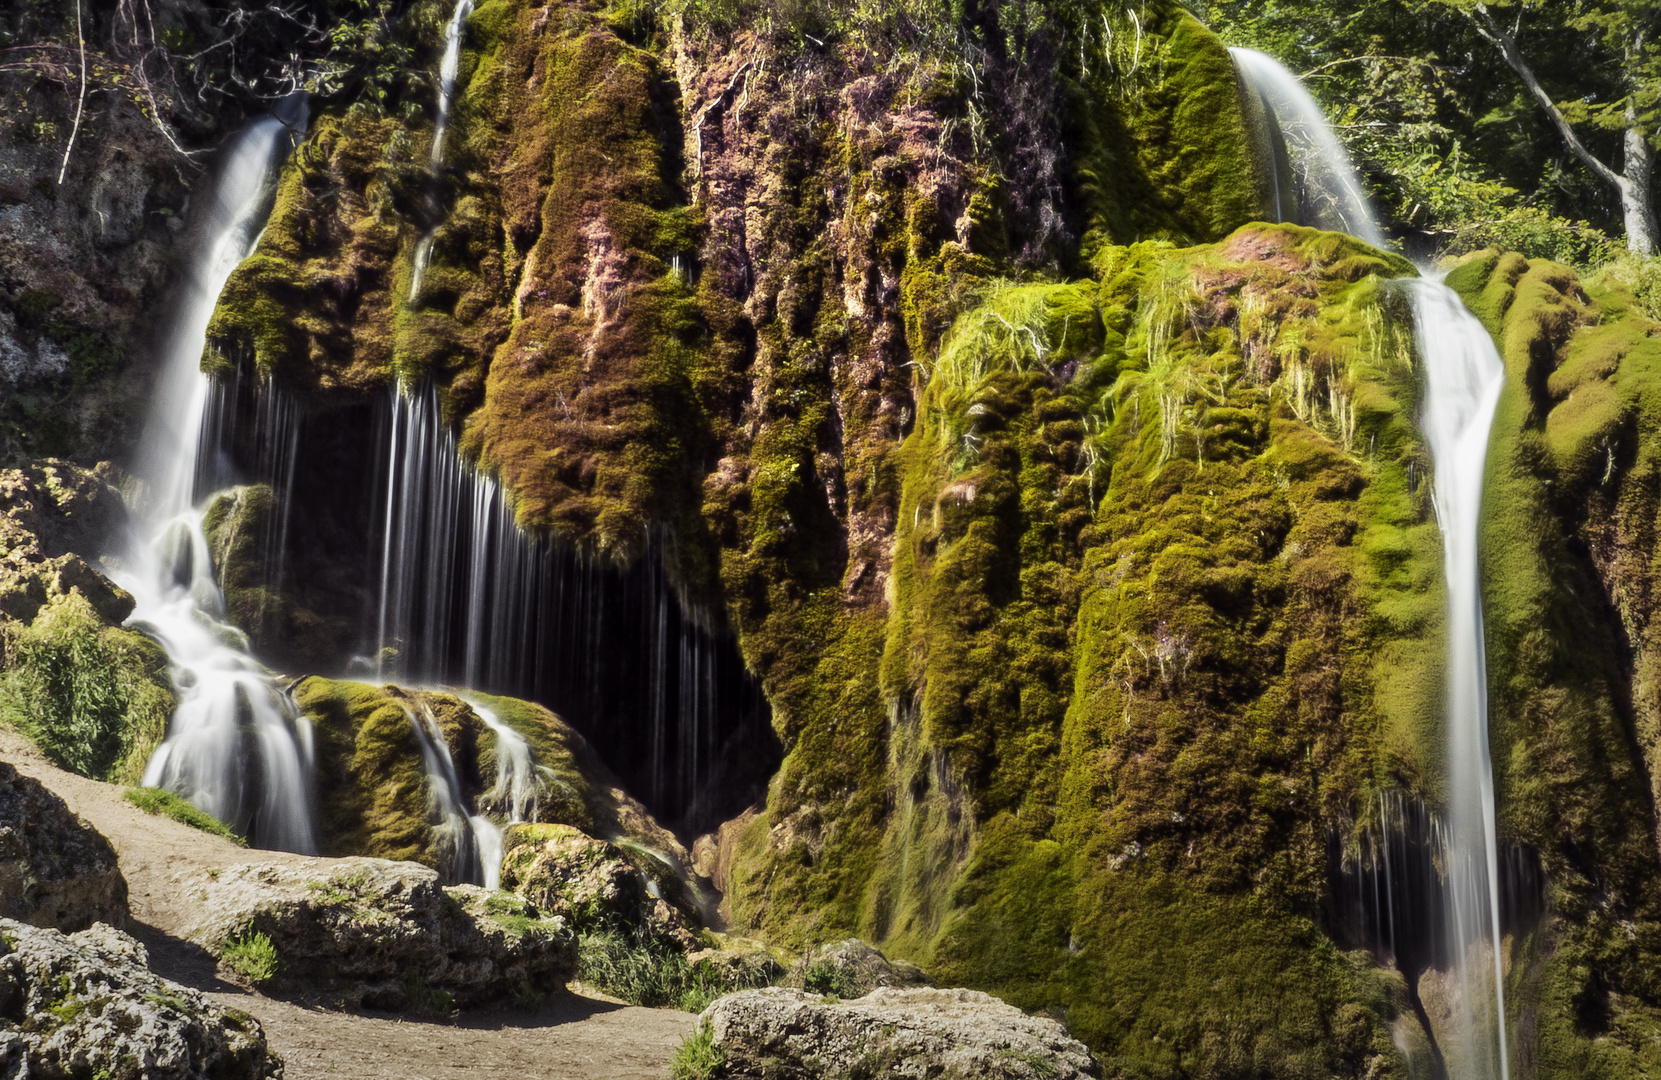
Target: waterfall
(235, 746)
(1464, 374)
(1328, 184)
(518, 788)
(474, 842)
(447, 70)
(469, 598)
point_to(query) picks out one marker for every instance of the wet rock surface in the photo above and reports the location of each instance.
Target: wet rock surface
(786, 1034)
(55, 870)
(378, 934)
(86, 1004)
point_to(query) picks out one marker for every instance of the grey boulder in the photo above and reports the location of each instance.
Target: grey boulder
(790, 1034)
(87, 1004)
(380, 934)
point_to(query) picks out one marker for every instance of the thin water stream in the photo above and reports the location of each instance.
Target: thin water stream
(1464, 375)
(1463, 378)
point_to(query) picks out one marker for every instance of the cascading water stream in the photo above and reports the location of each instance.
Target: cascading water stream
(1464, 375)
(1331, 188)
(448, 68)
(235, 746)
(474, 841)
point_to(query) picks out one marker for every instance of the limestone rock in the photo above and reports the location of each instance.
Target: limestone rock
(740, 966)
(853, 968)
(789, 1034)
(380, 934)
(589, 882)
(51, 514)
(87, 1004)
(55, 870)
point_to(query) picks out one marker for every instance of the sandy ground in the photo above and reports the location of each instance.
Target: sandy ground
(572, 1036)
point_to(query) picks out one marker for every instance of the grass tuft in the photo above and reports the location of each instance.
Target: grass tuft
(643, 971)
(698, 1057)
(165, 803)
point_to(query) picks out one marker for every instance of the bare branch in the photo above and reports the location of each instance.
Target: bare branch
(80, 105)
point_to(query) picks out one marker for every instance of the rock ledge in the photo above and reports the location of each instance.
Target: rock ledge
(788, 1034)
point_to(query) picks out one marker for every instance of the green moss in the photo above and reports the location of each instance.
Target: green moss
(1170, 155)
(371, 783)
(167, 804)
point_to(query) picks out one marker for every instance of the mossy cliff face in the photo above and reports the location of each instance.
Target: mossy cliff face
(1076, 529)
(1567, 552)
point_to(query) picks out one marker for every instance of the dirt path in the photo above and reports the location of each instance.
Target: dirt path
(570, 1037)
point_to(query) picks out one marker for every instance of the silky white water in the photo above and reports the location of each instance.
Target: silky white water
(235, 746)
(519, 787)
(1463, 376)
(447, 70)
(473, 843)
(1331, 188)
(448, 67)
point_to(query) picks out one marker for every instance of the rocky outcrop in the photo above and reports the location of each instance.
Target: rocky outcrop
(87, 1004)
(55, 515)
(593, 884)
(786, 1034)
(854, 968)
(379, 934)
(55, 870)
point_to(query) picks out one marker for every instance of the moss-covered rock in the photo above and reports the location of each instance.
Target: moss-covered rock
(379, 934)
(1567, 549)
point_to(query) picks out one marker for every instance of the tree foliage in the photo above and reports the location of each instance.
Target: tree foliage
(1458, 153)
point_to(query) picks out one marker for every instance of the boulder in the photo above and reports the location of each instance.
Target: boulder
(380, 934)
(55, 870)
(87, 1004)
(853, 968)
(596, 885)
(790, 1034)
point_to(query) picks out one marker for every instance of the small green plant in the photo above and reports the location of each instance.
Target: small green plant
(91, 696)
(642, 970)
(253, 956)
(830, 980)
(428, 1000)
(698, 1057)
(166, 804)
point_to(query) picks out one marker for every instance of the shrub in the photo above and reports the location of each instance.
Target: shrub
(253, 956)
(831, 980)
(92, 697)
(643, 970)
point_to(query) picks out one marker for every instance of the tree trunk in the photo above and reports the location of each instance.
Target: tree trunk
(1633, 184)
(1637, 200)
